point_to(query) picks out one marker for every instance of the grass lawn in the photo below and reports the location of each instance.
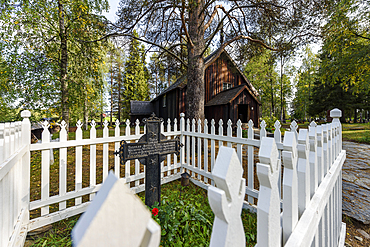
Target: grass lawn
(356, 132)
(184, 215)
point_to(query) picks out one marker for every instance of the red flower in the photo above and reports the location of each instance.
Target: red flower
(155, 211)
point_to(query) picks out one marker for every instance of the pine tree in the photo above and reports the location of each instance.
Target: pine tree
(135, 81)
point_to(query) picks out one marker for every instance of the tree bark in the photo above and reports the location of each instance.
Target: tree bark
(196, 68)
(63, 65)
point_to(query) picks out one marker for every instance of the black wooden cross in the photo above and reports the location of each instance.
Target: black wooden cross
(151, 150)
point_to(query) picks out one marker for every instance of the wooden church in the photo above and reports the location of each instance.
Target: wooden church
(228, 94)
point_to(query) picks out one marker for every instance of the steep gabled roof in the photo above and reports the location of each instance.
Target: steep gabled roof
(182, 81)
(226, 96)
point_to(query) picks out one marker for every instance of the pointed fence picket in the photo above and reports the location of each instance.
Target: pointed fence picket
(311, 158)
(311, 215)
(14, 180)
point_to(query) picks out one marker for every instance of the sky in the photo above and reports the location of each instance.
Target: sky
(111, 15)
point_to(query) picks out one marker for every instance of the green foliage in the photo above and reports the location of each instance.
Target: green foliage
(270, 122)
(136, 76)
(260, 71)
(304, 81)
(31, 39)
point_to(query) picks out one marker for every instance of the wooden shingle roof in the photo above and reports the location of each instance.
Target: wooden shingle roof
(226, 96)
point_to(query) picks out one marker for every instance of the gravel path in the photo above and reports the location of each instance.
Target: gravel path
(356, 181)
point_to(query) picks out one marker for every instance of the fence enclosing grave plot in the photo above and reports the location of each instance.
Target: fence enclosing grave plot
(297, 206)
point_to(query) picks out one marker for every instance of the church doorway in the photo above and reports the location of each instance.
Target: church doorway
(243, 113)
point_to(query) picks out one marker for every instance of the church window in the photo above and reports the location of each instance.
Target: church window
(226, 85)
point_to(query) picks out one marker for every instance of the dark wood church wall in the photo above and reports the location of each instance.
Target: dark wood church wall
(219, 72)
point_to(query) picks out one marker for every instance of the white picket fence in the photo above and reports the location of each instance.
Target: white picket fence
(315, 161)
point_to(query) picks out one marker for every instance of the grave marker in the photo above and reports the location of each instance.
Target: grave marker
(116, 217)
(150, 150)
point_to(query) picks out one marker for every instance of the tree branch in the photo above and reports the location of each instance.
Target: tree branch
(184, 24)
(137, 38)
(223, 46)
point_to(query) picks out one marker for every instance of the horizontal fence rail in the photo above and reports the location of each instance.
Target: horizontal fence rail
(81, 166)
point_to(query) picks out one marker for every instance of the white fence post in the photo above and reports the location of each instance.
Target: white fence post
(45, 168)
(313, 158)
(63, 164)
(105, 150)
(250, 160)
(26, 163)
(3, 228)
(205, 149)
(226, 200)
(78, 172)
(263, 129)
(239, 147)
(213, 147)
(127, 164)
(182, 140)
(93, 158)
(193, 147)
(290, 185)
(229, 131)
(199, 155)
(303, 170)
(268, 206)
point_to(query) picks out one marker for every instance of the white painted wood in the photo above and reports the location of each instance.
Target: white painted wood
(117, 165)
(330, 143)
(213, 147)
(105, 151)
(92, 158)
(268, 206)
(2, 187)
(290, 185)
(199, 158)
(182, 140)
(263, 129)
(175, 157)
(294, 128)
(193, 147)
(126, 220)
(303, 233)
(277, 137)
(320, 154)
(188, 143)
(12, 205)
(205, 149)
(313, 158)
(226, 200)
(45, 168)
(62, 164)
(220, 132)
(78, 172)
(26, 163)
(303, 171)
(229, 131)
(250, 160)
(239, 134)
(127, 164)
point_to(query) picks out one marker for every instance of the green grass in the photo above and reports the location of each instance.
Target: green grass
(356, 132)
(184, 215)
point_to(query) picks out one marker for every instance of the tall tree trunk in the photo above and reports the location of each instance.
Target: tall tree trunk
(195, 86)
(63, 64)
